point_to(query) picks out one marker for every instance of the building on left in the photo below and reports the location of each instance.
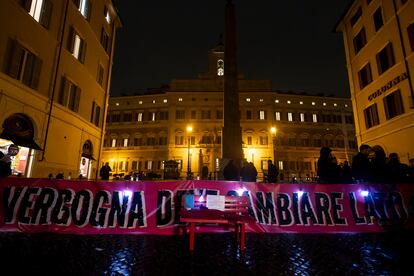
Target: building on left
(55, 70)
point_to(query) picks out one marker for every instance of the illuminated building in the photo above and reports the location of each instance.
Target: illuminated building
(56, 59)
(379, 46)
(145, 130)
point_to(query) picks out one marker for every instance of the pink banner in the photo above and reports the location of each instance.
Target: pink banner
(86, 207)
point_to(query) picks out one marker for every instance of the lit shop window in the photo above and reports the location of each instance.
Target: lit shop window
(113, 143)
(302, 117)
(21, 163)
(290, 116)
(153, 116)
(314, 118)
(125, 142)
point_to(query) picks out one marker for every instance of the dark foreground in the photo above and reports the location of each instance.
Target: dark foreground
(215, 254)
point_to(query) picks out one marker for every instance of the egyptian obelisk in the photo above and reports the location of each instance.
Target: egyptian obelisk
(232, 136)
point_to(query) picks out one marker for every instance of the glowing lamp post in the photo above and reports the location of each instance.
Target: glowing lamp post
(273, 130)
(189, 130)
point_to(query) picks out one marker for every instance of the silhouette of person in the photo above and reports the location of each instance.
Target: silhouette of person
(249, 172)
(328, 170)
(231, 172)
(272, 172)
(104, 172)
(361, 166)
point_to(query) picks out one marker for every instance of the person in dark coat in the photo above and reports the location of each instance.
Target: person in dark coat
(6, 160)
(249, 172)
(346, 173)
(361, 166)
(272, 172)
(231, 172)
(104, 172)
(5, 165)
(396, 171)
(411, 171)
(378, 162)
(328, 170)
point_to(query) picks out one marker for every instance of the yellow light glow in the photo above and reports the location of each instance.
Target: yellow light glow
(189, 128)
(273, 130)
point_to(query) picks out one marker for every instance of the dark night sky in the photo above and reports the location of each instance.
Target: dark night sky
(289, 42)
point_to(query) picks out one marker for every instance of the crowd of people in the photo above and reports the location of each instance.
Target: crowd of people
(248, 172)
(369, 165)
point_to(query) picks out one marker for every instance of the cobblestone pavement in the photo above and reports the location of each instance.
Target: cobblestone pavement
(215, 254)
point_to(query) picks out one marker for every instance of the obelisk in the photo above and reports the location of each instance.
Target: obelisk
(232, 136)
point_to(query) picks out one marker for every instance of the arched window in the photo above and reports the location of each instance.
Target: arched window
(19, 129)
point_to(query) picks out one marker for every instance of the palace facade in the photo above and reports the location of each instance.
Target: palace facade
(379, 46)
(184, 121)
(56, 59)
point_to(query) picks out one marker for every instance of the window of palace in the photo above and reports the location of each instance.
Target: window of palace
(378, 20)
(69, 95)
(365, 76)
(385, 59)
(357, 15)
(359, 41)
(410, 31)
(371, 116)
(23, 65)
(40, 10)
(76, 45)
(277, 116)
(393, 105)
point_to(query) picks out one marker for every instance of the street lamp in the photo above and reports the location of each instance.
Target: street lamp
(189, 130)
(273, 130)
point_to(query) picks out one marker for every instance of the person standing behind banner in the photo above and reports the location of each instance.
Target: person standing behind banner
(411, 171)
(272, 172)
(230, 172)
(248, 172)
(104, 172)
(5, 165)
(328, 170)
(361, 166)
(6, 159)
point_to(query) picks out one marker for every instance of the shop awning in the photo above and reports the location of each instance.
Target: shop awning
(90, 157)
(20, 141)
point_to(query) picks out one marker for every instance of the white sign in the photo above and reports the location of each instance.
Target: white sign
(215, 202)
